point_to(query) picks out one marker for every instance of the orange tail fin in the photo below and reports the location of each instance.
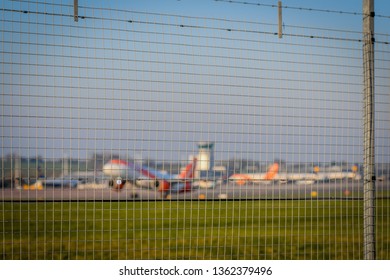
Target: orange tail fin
(272, 171)
(189, 171)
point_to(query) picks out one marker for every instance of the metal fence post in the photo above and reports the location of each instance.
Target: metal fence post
(369, 129)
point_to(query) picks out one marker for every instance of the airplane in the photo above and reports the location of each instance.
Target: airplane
(165, 182)
(42, 183)
(37, 185)
(273, 174)
(117, 168)
(270, 175)
(60, 182)
(328, 174)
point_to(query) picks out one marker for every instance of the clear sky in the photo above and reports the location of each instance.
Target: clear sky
(296, 12)
(152, 78)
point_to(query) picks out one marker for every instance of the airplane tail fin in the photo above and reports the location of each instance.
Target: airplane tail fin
(189, 171)
(272, 171)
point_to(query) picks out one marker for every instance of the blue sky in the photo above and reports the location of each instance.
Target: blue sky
(264, 13)
(152, 78)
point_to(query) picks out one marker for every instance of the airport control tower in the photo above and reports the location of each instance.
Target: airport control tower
(205, 159)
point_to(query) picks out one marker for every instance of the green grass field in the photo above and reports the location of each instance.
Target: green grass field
(273, 230)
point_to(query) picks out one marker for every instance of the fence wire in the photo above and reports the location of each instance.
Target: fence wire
(265, 134)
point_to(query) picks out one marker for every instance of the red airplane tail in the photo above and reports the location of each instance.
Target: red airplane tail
(182, 182)
(188, 172)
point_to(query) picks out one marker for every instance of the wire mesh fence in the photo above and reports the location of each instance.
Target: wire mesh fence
(149, 135)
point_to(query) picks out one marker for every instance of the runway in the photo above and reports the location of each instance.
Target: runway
(226, 191)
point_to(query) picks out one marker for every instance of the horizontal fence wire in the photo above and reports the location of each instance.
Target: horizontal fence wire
(157, 135)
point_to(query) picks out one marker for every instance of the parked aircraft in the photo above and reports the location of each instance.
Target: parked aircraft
(330, 173)
(37, 185)
(242, 178)
(273, 174)
(165, 182)
(60, 182)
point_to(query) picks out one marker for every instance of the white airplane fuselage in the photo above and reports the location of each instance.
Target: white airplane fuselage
(119, 168)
